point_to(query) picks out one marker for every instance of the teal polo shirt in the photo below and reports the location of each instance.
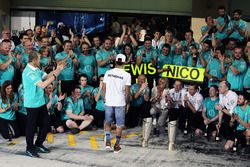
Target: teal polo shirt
(53, 104)
(86, 100)
(209, 105)
(33, 95)
(10, 114)
(149, 56)
(71, 105)
(244, 115)
(236, 81)
(235, 34)
(100, 102)
(246, 81)
(179, 60)
(8, 73)
(223, 34)
(67, 74)
(140, 100)
(103, 55)
(87, 64)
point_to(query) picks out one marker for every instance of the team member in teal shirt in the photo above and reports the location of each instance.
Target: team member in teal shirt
(246, 81)
(165, 57)
(195, 59)
(7, 62)
(237, 27)
(99, 109)
(25, 55)
(34, 81)
(139, 96)
(237, 69)
(54, 106)
(67, 75)
(74, 116)
(45, 57)
(86, 93)
(146, 54)
(105, 57)
(240, 118)
(188, 40)
(214, 67)
(8, 107)
(209, 113)
(208, 29)
(19, 49)
(222, 24)
(87, 63)
(180, 56)
(206, 50)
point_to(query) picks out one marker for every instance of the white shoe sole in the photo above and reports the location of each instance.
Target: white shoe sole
(116, 152)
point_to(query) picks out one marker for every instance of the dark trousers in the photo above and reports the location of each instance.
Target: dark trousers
(9, 129)
(174, 113)
(194, 120)
(99, 118)
(36, 117)
(226, 130)
(21, 120)
(136, 113)
(55, 119)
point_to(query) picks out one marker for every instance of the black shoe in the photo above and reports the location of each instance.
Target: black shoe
(42, 149)
(74, 131)
(32, 153)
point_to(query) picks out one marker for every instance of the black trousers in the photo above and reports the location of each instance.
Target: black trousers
(9, 129)
(21, 121)
(99, 118)
(194, 120)
(36, 117)
(135, 113)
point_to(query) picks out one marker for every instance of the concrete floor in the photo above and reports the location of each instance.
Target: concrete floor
(89, 151)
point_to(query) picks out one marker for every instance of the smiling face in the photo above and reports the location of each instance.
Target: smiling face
(8, 90)
(76, 93)
(83, 81)
(5, 48)
(107, 44)
(238, 53)
(85, 48)
(49, 89)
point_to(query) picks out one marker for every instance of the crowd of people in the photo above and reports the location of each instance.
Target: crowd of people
(58, 82)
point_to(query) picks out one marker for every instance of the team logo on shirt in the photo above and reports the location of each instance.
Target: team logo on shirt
(211, 112)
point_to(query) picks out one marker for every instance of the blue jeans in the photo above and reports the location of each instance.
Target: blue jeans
(118, 112)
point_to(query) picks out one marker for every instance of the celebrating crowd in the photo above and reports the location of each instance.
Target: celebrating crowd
(61, 82)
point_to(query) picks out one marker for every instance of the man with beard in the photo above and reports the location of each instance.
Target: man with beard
(222, 24)
(67, 75)
(240, 119)
(105, 57)
(236, 70)
(237, 27)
